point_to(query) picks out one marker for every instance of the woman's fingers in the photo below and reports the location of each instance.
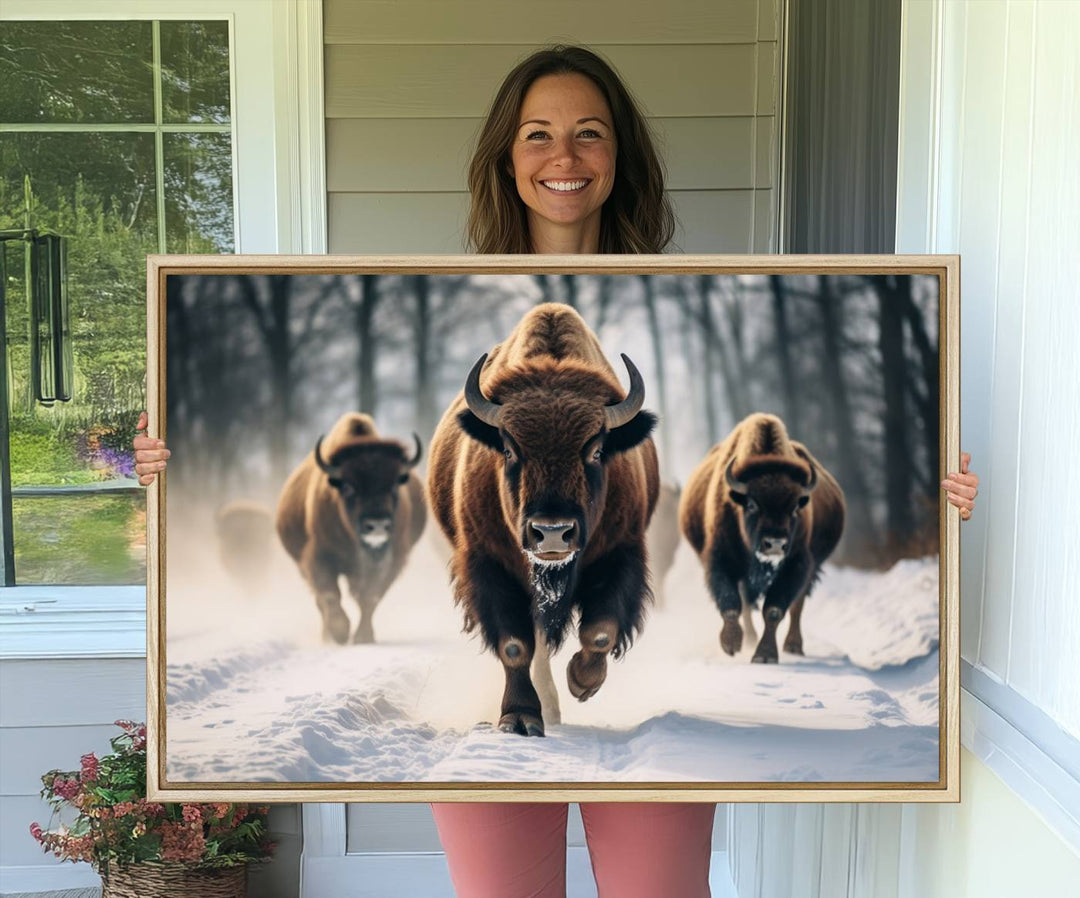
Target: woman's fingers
(150, 453)
(961, 488)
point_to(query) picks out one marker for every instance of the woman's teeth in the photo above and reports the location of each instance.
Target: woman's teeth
(564, 186)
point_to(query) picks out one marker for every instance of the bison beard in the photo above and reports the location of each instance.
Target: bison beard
(553, 589)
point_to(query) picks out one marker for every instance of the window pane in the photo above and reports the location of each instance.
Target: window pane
(98, 191)
(198, 193)
(76, 72)
(195, 72)
(81, 540)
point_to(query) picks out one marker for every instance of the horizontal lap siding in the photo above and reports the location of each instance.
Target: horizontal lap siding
(51, 713)
(408, 83)
(478, 22)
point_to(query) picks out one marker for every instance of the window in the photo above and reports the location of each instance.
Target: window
(118, 136)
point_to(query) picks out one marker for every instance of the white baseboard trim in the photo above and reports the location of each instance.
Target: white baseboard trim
(400, 873)
(1049, 788)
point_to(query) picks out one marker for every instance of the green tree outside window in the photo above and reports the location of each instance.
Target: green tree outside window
(118, 136)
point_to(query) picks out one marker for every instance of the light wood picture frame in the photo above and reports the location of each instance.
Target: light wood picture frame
(827, 388)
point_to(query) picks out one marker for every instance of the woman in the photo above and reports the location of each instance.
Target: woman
(565, 164)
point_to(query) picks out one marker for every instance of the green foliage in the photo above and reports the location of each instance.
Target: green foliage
(84, 540)
(116, 825)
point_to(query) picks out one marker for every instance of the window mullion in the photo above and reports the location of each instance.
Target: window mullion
(159, 137)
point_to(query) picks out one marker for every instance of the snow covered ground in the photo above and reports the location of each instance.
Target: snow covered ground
(253, 695)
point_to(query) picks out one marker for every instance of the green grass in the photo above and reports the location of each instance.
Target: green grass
(84, 540)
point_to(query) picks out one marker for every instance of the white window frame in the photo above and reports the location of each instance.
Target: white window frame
(279, 203)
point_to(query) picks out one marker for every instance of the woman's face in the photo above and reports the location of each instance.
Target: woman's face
(563, 154)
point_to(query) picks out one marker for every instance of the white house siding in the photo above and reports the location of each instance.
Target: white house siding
(407, 85)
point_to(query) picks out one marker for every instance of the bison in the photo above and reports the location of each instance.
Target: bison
(245, 532)
(353, 506)
(543, 476)
(763, 515)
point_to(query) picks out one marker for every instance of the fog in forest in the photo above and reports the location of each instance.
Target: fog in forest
(258, 366)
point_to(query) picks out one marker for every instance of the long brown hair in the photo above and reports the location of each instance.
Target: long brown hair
(637, 216)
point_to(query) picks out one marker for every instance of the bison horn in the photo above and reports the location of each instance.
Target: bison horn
(734, 484)
(622, 412)
(412, 462)
(487, 411)
(812, 481)
(329, 470)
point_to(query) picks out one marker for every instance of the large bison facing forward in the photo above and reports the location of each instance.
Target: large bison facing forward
(543, 477)
(763, 515)
(353, 507)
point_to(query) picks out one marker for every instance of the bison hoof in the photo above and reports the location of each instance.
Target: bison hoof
(731, 637)
(363, 636)
(765, 657)
(522, 723)
(793, 646)
(336, 628)
(585, 674)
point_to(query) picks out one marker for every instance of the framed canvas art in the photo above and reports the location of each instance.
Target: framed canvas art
(554, 528)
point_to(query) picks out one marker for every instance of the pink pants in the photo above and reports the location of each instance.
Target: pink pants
(517, 850)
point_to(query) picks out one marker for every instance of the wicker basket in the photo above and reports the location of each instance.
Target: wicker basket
(148, 880)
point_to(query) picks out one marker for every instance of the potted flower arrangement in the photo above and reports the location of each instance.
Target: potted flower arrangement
(142, 847)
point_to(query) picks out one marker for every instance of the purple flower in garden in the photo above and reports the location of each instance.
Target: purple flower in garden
(119, 462)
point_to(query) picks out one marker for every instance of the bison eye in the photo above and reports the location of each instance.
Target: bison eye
(404, 478)
(751, 505)
(598, 455)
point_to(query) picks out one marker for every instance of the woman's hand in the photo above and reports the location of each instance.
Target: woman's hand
(961, 489)
(150, 454)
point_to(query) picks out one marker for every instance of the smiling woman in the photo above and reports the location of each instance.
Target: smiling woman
(560, 118)
(563, 162)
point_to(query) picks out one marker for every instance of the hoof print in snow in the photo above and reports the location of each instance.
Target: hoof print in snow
(522, 724)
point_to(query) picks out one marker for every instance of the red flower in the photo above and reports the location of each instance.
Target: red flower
(89, 768)
(150, 808)
(181, 842)
(36, 831)
(65, 788)
(192, 814)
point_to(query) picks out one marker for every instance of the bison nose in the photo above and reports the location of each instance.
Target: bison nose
(374, 526)
(548, 534)
(773, 544)
(375, 532)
